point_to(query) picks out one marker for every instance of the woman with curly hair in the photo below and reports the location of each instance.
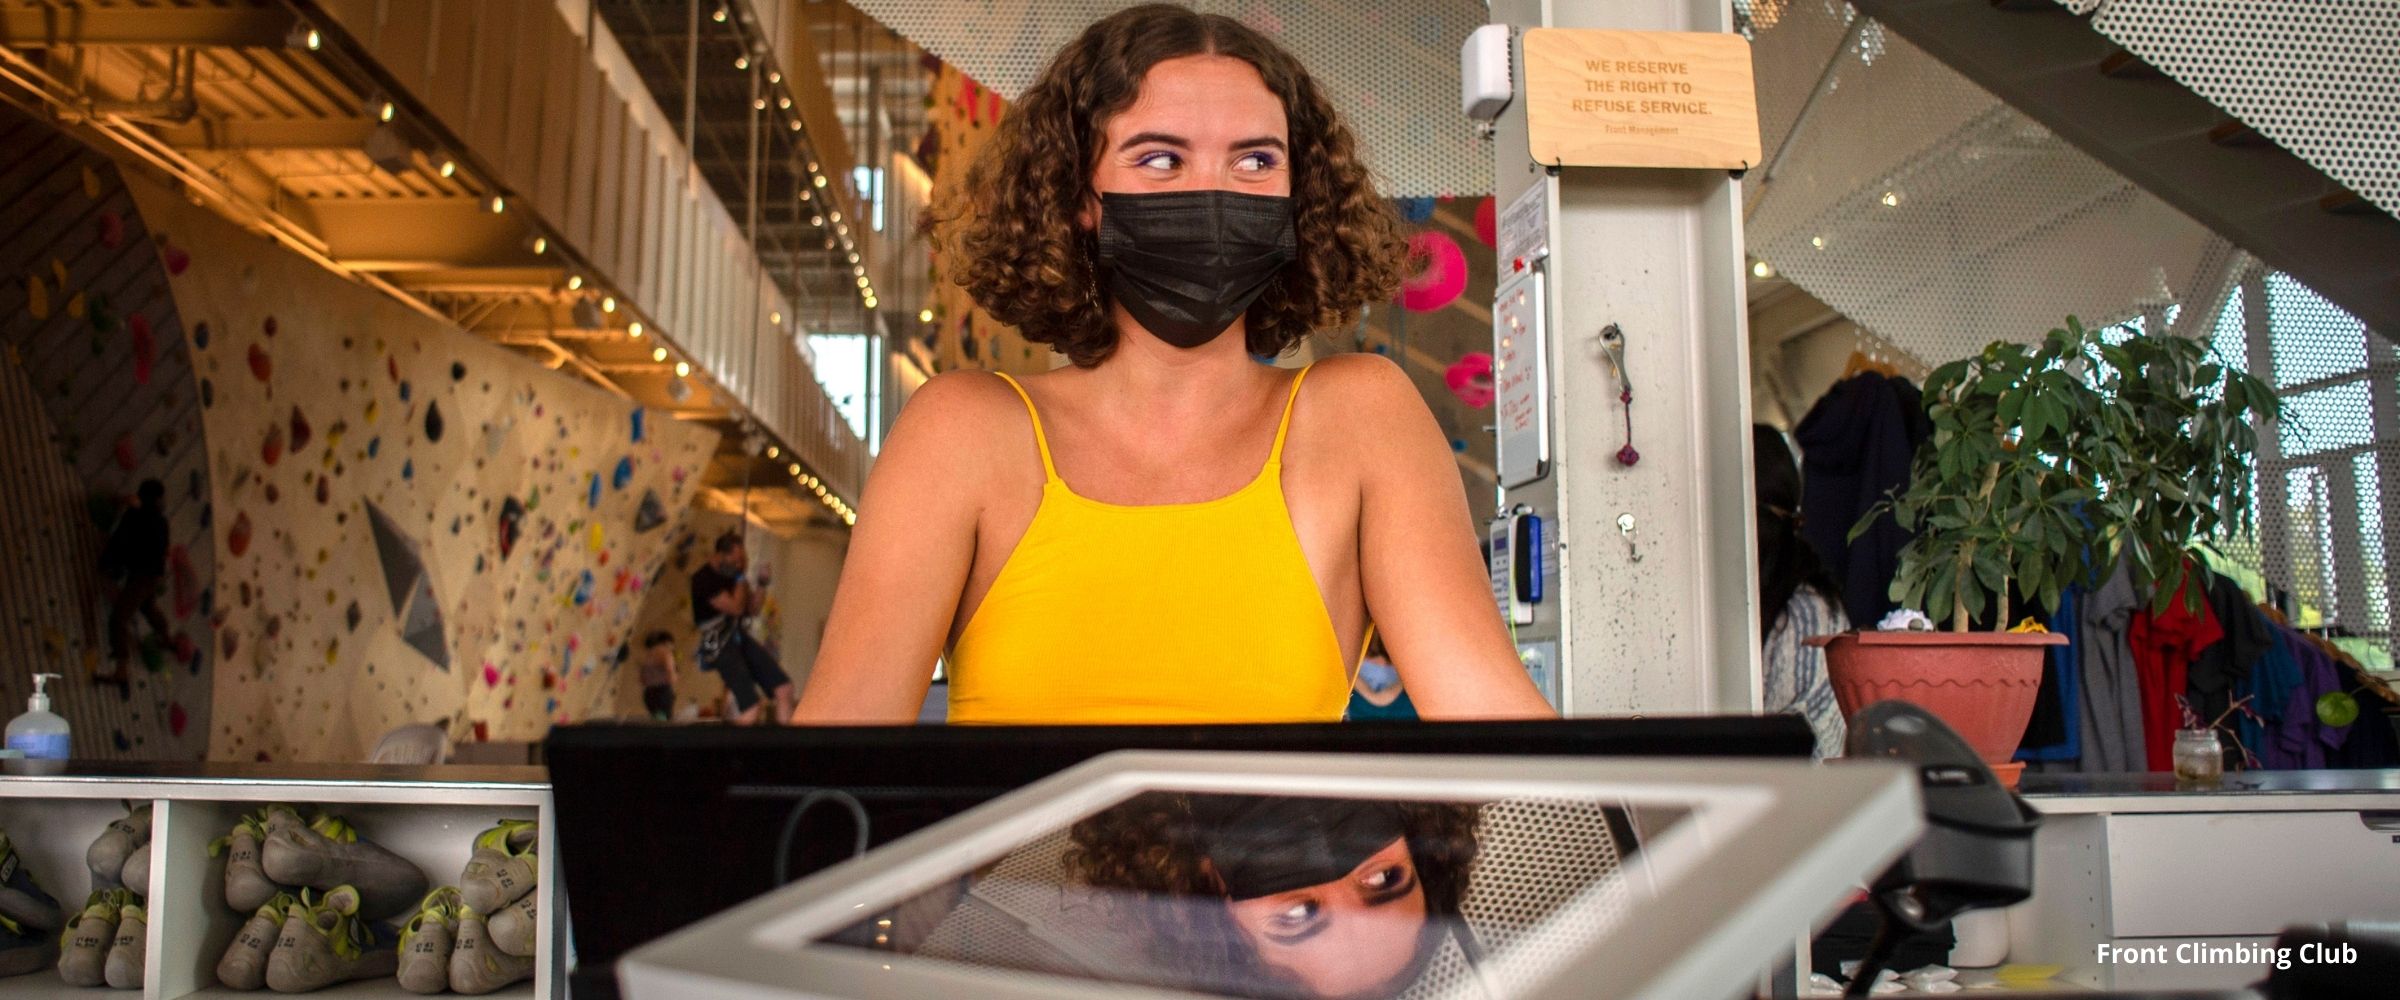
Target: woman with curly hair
(1281, 897)
(1166, 530)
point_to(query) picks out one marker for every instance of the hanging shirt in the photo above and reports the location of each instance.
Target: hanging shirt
(2228, 661)
(2301, 740)
(2164, 646)
(1855, 446)
(2269, 688)
(2062, 683)
(2111, 713)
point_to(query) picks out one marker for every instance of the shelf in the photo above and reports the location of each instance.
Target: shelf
(415, 812)
(364, 989)
(45, 985)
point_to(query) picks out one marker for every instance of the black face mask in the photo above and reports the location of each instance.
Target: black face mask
(1186, 264)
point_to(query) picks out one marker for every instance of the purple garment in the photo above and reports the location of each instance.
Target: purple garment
(2300, 741)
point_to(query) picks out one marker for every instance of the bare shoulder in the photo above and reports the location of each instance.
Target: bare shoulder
(955, 429)
(958, 402)
(1366, 393)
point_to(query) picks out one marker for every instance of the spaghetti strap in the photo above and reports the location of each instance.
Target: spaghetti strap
(1285, 427)
(1050, 471)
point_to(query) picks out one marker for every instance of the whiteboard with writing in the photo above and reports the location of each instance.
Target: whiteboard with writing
(1640, 99)
(1521, 379)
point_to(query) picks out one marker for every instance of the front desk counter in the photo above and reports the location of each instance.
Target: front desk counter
(2185, 883)
(429, 815)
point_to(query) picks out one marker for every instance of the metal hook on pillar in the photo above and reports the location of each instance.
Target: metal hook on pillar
(1612, 344)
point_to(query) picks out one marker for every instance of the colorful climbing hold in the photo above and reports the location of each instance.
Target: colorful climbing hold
(592, 495)
(622, 475)
(270, 451)
(300, 431)
(237, 540)
(457, 371)
(200, 335)
(261, 365)
(433, 421)
(637, 424)
(408, 469)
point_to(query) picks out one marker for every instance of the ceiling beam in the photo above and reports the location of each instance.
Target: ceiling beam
(235, 27)
(271, 135)
(407, 234)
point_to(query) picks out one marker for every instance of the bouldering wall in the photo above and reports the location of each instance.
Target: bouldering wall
(96, 394)
(412, 524)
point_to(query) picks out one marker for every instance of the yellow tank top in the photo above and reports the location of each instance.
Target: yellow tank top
(1166, 613)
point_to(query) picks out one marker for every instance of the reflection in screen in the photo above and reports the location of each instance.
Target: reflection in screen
(1277, 897)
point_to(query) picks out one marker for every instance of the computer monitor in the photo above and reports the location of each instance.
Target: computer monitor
(1185, 874)
(661, 827)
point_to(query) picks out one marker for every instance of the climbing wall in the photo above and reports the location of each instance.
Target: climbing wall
(412, 524)
(96, 394)
(792, 623)
(960, 121)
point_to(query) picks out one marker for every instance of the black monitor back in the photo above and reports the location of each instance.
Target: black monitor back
(660, 827)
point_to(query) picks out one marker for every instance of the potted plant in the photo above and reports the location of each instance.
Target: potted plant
(2048, 462)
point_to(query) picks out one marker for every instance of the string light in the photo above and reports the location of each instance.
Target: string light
(924, 315)
(784, 103)
(449, 168)
(498, 205)
(774, 77)
(773, 451)
(658, 354)
(682, 368)
(742, 63)
(541, 245)
(719, 15)
(795, 468)
(608, 303)
(574, 282)
(387, 112)
(795, 124)
(315, 40)
(634, 329)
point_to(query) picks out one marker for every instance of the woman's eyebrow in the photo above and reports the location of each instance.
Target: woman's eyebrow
(1161, 138)
(1261, 142)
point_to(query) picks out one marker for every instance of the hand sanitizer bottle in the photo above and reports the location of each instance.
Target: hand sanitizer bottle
(39, 734)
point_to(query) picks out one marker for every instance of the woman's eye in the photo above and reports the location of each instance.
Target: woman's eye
(1159, 161)
(1384, 878)
(1297, 914)
(1255, 162)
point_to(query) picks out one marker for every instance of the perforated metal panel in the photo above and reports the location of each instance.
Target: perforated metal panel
(2328, 492)
(2320, 77)
(1917, 204)
(1391, 67)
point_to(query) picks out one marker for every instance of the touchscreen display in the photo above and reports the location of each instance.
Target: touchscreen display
(1273, 896)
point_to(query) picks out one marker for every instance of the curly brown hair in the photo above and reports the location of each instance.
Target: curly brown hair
(1010, 236)
(1155, 847)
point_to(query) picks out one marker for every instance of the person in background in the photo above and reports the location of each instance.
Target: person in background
(722, 601)
(659, 675)
(1376, 694)
(137, 556)
(1797, 597)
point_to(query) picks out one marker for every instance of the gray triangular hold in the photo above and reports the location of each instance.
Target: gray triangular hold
(403, 567)
(422, 628)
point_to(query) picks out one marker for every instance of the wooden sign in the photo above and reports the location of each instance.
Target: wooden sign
(1640, 99)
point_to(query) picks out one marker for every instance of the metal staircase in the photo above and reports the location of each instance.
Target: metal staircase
(2049, 63)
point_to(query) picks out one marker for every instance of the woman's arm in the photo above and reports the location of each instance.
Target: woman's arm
(907, 564)
(1426, 587)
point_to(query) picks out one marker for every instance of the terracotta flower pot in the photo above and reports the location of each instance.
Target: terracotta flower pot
(1982, 683)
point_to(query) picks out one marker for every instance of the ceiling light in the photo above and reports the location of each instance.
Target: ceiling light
(817, 221)
(741, 62)
(1817, 242)
(608, 303)
(719, 15)
(498, 205)
(773, 451)
(795, 124)
(449, 168)
(574, 281)
(854, 257)
(812, 166)
(682, 368)
(857, 270)
(634, 329)
(758, 104)
(775, 318)
(774, 77)
(795, 468)
(862, 281)
(924, 315)
(1762, 269)
(387, 111)
(303, 37)
(834, 215)
(658, 354)
(541, 245)
(1891, 199)
(784, 103)
(804, 194)
(820, 180)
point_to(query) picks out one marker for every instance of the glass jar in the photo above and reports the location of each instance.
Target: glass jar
(2198, 756)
